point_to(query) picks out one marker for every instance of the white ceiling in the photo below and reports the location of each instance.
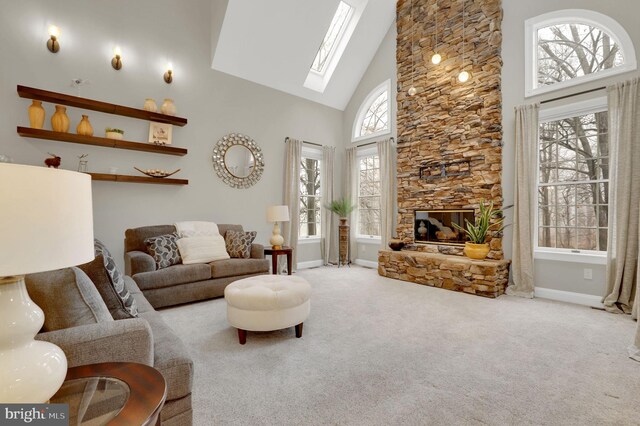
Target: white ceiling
(273, 43)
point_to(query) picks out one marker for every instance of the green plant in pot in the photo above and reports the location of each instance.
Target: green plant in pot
(342, 207)
(489, 219)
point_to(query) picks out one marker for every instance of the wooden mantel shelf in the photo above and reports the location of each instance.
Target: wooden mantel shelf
(137, 179)
(99, 141)
(93, 105)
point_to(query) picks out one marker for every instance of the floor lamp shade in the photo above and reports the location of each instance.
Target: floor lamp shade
(46, 223)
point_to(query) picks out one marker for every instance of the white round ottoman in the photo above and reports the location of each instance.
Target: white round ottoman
(266, 303)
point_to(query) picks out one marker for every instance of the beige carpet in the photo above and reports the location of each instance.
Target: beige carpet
(377, 351)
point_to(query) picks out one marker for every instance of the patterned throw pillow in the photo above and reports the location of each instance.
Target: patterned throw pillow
(239, 243)
(164, 250)
(128, 302)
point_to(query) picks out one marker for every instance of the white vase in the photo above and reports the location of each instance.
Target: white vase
(168, 107)
(150, 105)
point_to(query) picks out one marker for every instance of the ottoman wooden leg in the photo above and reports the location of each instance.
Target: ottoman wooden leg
(299, 330)
(242, 336)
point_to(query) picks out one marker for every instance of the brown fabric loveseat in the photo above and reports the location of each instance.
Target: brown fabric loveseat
(185, 283)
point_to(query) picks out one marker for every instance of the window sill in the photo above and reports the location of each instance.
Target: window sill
(369, 240)
(561, 256)
(309, 240)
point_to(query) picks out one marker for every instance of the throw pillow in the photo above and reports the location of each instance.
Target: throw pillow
(196, 229)
(239, 243)
(115, 276)
(67, 297)
(164, 250)
(202, 249)
(101, 280)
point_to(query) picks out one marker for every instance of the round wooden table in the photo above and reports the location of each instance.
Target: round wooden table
(113, 393)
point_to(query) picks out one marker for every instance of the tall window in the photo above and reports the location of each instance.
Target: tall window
(568, 47)
(373, 117)
(573, 184)
(333, 35)
(310, 201)
(369, 196)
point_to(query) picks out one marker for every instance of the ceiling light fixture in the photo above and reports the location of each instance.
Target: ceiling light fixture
(436, 58)
(52, 44)
(116, 62)
(168, 76)
(464, 75)
(412, 90)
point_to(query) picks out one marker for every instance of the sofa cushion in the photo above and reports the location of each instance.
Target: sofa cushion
(96, 271)
(223, 228)
(239, 243)
(68, 299)
(196, 228)
(116, 278)
(171, 357)
(236, 267)
(173, 275)
(202, 249)
(134, 238)
(164, 250)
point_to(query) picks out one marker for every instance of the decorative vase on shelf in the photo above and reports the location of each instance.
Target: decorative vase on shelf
(168, 107)
(60, 120)
(84, 127)
(422, 230)
(36, 115)
(150, 105)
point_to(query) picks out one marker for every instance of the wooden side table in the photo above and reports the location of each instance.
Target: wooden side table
(274, 253)
(113, 393)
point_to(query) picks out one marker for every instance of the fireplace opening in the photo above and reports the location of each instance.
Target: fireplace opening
(436, 226)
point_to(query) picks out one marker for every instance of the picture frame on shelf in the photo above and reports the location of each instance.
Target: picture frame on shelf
(160, 133)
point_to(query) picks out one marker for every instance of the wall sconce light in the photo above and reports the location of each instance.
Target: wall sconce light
(52, 44)
(116, 62)
(168, 76)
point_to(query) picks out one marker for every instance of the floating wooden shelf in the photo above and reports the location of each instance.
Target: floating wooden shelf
(93, 105)
(98, 141)
(137, 179)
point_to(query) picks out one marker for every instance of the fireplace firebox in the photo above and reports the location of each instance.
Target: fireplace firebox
(436, 226)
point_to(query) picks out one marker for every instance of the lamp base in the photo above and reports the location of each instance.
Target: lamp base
(33, 371)
(276, 239)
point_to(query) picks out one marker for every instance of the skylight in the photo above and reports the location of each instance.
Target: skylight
(331, 39)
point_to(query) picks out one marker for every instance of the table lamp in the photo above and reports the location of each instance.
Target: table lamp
(46, 223)
(277, 214)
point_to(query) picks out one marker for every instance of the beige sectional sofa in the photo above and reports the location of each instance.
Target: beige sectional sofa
(185, 283)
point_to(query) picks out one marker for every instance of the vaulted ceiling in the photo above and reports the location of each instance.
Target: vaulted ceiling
(274, 42)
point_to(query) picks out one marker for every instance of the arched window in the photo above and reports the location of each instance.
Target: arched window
(373, 117)
(569, 47)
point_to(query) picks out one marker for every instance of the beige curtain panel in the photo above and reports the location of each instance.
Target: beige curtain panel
(292, 197)
(524, 200)
(328, 224)
(387, 155)
(351, 193)
(624, 196)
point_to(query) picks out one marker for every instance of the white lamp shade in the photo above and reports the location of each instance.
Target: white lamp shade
(46, 219)
(278, 214)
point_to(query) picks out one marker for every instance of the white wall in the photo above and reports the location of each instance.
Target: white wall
(382, 68)
(150, 33)
(558, 275)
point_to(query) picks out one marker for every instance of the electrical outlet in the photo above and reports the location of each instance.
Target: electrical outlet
(588, 274)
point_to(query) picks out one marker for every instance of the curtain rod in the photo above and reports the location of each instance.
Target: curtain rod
(307, 142)
(372, 143)
(573, 94)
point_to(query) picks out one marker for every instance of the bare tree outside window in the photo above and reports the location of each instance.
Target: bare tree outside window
(369, 196)
(310, 202)
(376, 118)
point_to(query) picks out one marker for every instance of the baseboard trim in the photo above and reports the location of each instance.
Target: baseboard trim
(569, 297)
(310, 264)
(366, 263)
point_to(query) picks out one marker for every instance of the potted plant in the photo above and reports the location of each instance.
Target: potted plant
(113, 133)
(488, 219)
(342, 207)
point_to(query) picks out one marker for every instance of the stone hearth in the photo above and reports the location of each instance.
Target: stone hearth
(487, 278)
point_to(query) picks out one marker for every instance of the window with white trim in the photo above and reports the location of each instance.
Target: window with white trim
(373, 118)
(569, 47)
(368, 195)
(334, 33)
(310, 200)
(573, 178)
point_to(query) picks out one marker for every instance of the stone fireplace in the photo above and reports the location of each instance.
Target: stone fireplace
(437, 226)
